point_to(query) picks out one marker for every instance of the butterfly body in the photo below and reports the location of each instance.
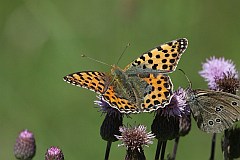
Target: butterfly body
(126, 87)
(142, 86)
(214, 111)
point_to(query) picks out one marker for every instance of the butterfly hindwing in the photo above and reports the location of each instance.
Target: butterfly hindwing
(162, 59)
(96, 81)
(120, 103)
(215, 111)
(158, 92)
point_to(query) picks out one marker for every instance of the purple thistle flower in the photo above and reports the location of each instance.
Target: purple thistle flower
(110, 126)
(173, 118)
(25, 147)
(215, 68)
(178, 105)
(135, 137)
(228, 83)
(113, 120)
(54, 153)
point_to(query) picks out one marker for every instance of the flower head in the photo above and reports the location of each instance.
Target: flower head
(135, 137)
(25, 147)
(54, 153)
(172, 119)
(229, 83)
(215, 68)
(110, 127)
(178, 105)
(113, 120)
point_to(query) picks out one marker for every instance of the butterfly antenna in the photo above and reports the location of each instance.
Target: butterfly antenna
(189, 82)
(84, 56)
(119, 60)
(123, 53)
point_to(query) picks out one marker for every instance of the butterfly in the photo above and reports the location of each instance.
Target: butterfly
(214, 111)
(142, 86)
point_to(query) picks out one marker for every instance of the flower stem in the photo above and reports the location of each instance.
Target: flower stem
(213, 146)
(174, 153)
(109, 143)
(164, 144)
(159, 145)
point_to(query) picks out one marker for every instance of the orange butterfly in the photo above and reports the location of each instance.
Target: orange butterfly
(143, 86)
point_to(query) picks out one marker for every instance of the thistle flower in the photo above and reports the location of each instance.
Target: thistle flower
(178, 105)
(172, 121)
(229, 83)
(166, 124)
(110, 126)
(215, 68)
(113, 120)
(25, 147)
(54, 153)
(134, 139)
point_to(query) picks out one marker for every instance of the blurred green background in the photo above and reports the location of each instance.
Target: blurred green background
(42, 41)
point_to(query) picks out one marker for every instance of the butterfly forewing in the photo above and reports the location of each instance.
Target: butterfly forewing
(161, 59)
(95, 81)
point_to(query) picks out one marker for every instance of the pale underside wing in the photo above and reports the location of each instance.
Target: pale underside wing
(214, 111)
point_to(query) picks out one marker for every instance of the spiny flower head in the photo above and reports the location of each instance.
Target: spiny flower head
(229, 83)
(214, 69)
(178, 105)
(135, 137)
(113, 120)
(25, 147)
(173, 120)
(54, 153)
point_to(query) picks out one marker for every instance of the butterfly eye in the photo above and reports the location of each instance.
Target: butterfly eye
(234, 103)
(210, 122)
(218, 120)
